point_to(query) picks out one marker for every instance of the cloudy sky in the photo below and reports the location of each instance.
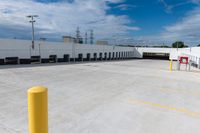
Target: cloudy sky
(124, 21)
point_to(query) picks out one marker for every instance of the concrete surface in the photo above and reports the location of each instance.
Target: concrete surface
(136, 96)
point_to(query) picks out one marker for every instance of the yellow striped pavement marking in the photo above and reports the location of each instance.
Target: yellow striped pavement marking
(165, 107)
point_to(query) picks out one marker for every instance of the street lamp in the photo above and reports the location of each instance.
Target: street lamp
(32, 21)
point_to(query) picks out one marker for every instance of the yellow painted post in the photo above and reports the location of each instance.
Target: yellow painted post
(171, 65)
(38, 109)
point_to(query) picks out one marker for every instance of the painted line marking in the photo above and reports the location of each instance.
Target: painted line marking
(166, 107)
(179, 91)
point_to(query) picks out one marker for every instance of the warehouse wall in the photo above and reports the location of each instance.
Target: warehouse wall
(22, 49)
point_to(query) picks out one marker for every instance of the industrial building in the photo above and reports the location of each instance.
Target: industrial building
(69, 39)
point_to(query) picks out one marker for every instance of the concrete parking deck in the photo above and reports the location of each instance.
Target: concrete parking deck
(136, 96)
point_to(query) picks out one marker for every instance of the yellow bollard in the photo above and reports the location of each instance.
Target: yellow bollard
(171, 65)
(38, 109)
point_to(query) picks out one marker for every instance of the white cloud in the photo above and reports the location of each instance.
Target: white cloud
(187, 29)
(169, 8)
(125, 6)
(63, 17)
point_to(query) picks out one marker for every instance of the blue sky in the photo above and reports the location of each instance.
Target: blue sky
(153, 15)
(144, 22)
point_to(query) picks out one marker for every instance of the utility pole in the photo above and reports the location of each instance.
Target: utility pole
(86, 37)
(78, 35)
(32, 21)
(91, 37)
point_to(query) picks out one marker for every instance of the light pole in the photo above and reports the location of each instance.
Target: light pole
(32, 21)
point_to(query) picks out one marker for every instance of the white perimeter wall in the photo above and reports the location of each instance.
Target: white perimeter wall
(193, 53)
(22, 49)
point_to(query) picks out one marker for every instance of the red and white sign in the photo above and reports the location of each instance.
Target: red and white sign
(184, 60)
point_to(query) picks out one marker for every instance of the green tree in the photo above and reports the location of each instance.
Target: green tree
(198, 45)
(180, 44)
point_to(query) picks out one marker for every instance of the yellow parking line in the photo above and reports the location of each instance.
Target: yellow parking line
(179, 91)
(165, 107)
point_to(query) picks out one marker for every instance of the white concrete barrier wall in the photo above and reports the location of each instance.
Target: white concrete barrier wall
(23, 50)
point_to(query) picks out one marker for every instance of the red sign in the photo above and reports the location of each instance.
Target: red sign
(184, 60)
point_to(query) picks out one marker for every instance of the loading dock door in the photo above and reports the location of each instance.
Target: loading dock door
(105, 56)
(100, 56)
(88, 57)
(66, 58)
(80, 57)
(52, 58)
(109, 56)
(95, 56)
